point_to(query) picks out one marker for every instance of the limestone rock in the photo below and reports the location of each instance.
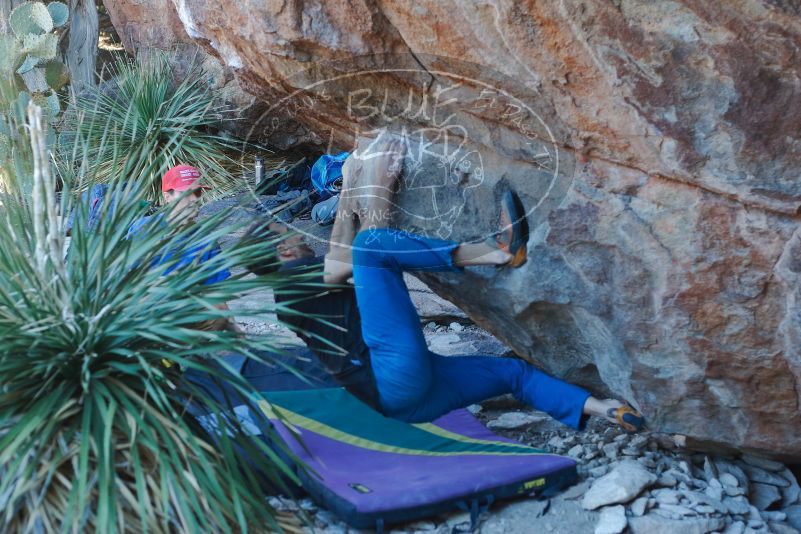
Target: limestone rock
(638, 507)
(763, 463)
(756, 474)
(781, 528)
(736, 505)
(737, 527)
(763, 495)
(655, 143)
(792, 493)
(649, 524)
(794, 515)
(612, 520)
(515, 420)
(621, 485)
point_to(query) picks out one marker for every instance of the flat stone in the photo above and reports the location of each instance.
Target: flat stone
(764, 495)
(622, 484)
(612, 520)
(792, 493)
(763, 463)
(734, 491)
(737, 505)
(677, 509)
(782, 528)
(611, 450)
(704, 509)
(757, 474)
(738, 527)
(666, 496)
(599, 471)
(576, 491)
(704, 498)
(725, 466)
(576, 451)
(639, 506)
(516, 420)
(753, 513)
(793, 515)
(649, 524)
(420, 526)
(769, 515)
(666, 481)
(727, 479)
(710, 470)
(714, 493)
(756, 524)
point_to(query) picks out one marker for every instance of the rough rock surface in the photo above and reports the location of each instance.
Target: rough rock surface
(665, 258)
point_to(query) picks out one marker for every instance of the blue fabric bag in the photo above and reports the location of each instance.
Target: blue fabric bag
(326, 174)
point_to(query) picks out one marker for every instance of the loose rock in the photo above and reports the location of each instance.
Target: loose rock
(757, 474)
(639, 506)
(792, 493)
(782, 528)
(763, 495)
(738, 527)
(737, 505)
(574, 492)
(727, 479)
(794, 515)
(622, 484)
(654, 525)
(612, 521)
(515, 420)
(763, 463)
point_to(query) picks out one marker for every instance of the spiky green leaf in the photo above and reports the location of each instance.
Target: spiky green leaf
(30, 18)
(95, 431)
(148, 107)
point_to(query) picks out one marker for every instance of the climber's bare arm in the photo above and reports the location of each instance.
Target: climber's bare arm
(369, 179)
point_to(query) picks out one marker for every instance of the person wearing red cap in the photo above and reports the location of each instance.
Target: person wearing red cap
(182, 189)
(174, 185)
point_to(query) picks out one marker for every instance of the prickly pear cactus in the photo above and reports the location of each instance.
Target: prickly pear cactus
(29, 54)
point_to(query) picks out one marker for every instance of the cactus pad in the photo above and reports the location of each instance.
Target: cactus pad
(59, 12)
(30, 17)
(57, 75)
(44, 47)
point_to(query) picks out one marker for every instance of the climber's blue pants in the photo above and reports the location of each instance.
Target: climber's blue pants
(415, 384)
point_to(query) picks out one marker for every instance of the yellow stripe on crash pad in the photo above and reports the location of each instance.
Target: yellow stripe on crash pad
(333, 433)
(439, 431)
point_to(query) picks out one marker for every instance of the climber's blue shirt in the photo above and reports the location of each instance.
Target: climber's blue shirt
(200, 253)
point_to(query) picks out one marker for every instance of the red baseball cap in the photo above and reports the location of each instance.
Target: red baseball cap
(181, 178)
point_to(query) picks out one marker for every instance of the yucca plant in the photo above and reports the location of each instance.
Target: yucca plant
(97, 417)
(144, 105)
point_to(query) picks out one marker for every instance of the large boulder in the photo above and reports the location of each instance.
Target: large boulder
(656, 145)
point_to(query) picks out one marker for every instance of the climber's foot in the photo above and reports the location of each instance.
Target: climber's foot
(512, 238)
(623, 415)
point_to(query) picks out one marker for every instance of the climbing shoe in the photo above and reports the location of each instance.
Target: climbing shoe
(512, 238)
(628, 418)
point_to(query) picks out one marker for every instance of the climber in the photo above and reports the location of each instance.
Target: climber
(386, 362)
